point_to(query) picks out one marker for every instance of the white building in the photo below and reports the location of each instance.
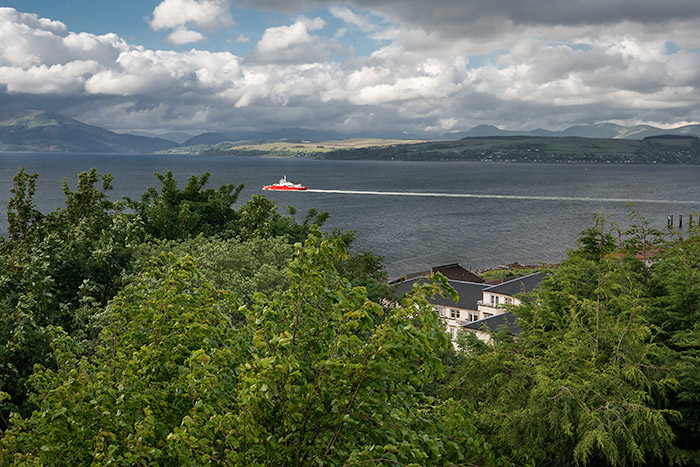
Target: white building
(478, 303)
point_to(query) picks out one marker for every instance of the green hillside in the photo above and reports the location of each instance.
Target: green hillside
(661, 149)
(656, 149)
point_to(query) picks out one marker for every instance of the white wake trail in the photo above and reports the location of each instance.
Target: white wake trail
(511, 197)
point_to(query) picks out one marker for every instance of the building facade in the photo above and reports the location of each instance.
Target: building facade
(478, 302)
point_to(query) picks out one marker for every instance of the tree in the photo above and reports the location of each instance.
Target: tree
(585, 381)
(22, 215)
(258, 265)
(309, 379)
(675, 299)
(259, 218)
(52, 266)
(169, 349)
(177, 214)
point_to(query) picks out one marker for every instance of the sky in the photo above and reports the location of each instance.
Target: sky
(399, 67)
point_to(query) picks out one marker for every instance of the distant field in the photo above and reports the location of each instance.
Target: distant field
(307, 148)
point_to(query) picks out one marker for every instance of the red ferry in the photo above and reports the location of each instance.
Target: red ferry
(284, 184)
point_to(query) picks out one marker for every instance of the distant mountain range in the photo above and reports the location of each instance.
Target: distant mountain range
(41, 131)
(601, 130)
(285, 134)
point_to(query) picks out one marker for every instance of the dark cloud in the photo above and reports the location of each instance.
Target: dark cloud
(449, 13)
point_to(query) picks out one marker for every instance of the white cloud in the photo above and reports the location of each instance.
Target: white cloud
(283, 37)
(166, 74)
(293, 44)
(208, 14)
(31, 21)
(182, 15)
(31, 41)
(42, 79)
(182, 35)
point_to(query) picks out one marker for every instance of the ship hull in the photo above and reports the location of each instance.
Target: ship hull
(284, 185)
(283, 188)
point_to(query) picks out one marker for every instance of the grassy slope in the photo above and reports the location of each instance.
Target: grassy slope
(286, 148)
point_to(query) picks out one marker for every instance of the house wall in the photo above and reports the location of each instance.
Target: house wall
(491, 304)
(494, 303)
(454, 318)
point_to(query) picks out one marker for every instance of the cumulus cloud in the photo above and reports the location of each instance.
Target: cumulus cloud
(42, 79)
(166, 74)
(182, 35)
(283, 37)
(211, 15)
(293, 44)
(32, 41)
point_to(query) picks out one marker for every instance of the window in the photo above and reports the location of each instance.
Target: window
(440, 310)
(488, 315)
(473, 316)
(454, 314)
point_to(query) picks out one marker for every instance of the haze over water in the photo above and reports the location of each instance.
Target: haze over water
(415, 214)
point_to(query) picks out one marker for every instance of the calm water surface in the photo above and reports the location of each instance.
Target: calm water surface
(548, 205)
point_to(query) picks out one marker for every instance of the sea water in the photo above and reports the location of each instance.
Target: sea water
(415, 214)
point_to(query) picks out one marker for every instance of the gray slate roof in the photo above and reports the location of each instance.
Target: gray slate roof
(469, 293)
(496, 322)
(451, 271)
(518, 285)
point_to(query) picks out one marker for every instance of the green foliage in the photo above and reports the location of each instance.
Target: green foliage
(22, 215)
(52, 266)
(241, 267)
(585, 383)
(169, 350)
(309, 380)
(178, 214)
(597, 241)
(365, 269)
(323, 379)
(676, 297)
(509, 273)
(259, 218)
(62, 268)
